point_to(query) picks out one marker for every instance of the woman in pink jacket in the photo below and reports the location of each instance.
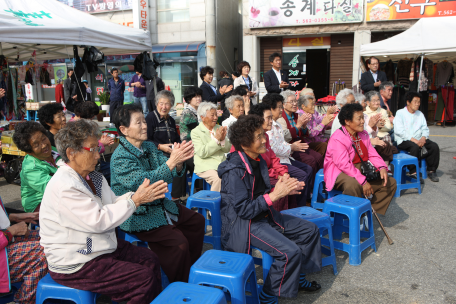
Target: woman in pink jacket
(342, 164)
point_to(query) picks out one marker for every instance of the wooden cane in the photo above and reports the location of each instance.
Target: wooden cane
(390, 241)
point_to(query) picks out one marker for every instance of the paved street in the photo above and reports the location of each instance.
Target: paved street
(418, 268)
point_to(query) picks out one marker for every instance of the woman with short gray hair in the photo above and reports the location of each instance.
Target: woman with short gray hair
(211, 144)
(345, 96)
(162, 131)
(78, 217)
(317, 124)
(234, 104)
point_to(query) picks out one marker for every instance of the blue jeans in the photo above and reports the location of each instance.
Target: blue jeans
(143, 102)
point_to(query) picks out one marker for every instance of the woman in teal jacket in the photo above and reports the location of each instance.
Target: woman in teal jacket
(174, 233)
(39, 164)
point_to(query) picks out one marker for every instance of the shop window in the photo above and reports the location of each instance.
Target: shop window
(173, 11)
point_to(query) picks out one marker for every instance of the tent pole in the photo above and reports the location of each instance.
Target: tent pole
(419, 78)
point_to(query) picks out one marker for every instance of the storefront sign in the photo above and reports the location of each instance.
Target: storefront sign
(306, 41)
(304, 12)
(100, 90)
(141, 14)
(99, 6)
(383, 10)
(99, 77)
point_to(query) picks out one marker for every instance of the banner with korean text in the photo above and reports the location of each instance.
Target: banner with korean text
(99, 6)
(273, 13)
(384, 10)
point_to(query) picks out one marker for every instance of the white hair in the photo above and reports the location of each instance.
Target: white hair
(165, 95)
(359, 97)
(204, 107)
(305, 91)
(287, 93)
(229, 102)
(341, 98)
(303, 100)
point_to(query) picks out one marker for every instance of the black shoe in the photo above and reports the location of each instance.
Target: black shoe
(413, 175)
(314, 287)
(433, 177)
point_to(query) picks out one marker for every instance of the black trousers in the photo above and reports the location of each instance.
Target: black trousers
(113, 105)
(296, 250)
(180, 183)
(433, 158)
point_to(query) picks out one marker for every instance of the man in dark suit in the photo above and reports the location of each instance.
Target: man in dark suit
(372, 79)
(275, 80)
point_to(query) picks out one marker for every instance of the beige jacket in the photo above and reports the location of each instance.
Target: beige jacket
(388, 125)
(75, 225)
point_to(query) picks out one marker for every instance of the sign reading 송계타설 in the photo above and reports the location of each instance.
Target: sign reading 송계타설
(271, 13)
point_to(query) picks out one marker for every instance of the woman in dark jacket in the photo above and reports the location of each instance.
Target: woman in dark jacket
(249, 219)
(210, 93)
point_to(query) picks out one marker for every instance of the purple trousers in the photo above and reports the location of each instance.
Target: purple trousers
(129, 274)
(303, 173)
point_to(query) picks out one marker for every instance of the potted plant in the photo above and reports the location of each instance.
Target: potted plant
(104, 100)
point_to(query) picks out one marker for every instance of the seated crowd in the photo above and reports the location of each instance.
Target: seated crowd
(262, 158)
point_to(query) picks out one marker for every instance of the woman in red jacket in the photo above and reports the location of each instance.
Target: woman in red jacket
(59, 91)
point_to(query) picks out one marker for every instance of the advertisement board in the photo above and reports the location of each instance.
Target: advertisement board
(99, 6)
(273, 13)
(384, 10)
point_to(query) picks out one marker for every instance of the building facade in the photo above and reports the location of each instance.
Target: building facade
(322, 39)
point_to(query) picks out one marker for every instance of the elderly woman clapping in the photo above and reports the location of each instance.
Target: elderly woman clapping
(211, 144)
(317, 124)
(349, 149)
(295, 130)
(172, 231)
(78, 217)
(162, 131)
(382, 143)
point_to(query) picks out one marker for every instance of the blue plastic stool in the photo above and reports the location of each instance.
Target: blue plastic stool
(168, 194)
(423, 166)
(9, 297)
(131, 238)
(400, 161)
(209, 200)
(265, 261)
(323, 222)
(230, 270)
(49, 289)
(195, 177)
(349, 209)
(317, 195)
(180, 293)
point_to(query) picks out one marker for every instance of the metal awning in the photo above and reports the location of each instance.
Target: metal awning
(176, 47)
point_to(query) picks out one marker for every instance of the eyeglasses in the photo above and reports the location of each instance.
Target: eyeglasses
(294, 102)
(98, 149)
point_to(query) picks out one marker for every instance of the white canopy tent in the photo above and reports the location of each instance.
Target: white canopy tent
(52, 28)
(432, 37)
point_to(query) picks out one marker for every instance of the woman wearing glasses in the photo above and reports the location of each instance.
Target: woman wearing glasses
(78, 217)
